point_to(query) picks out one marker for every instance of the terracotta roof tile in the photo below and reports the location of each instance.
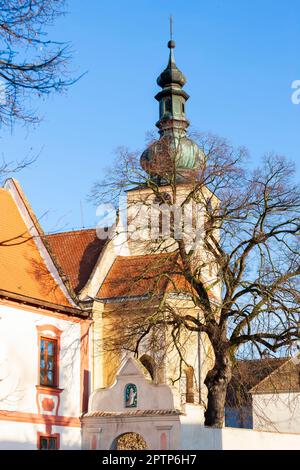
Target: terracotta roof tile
(285, 378)
(77, 253)
(247, 374)
(132, 276)
(22, 269)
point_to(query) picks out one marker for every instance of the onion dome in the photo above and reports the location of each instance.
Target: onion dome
(171, 74)
(174, 150)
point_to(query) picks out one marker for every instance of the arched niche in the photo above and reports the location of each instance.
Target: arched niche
(149, 364)
(189, 384)
(129, 441)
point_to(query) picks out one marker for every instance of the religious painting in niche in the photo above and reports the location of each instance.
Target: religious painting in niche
(130, 396)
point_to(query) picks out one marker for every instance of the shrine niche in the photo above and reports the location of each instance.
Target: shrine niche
(130, 396)
(132, 414)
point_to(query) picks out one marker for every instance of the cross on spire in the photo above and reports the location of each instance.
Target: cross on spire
(171, 27)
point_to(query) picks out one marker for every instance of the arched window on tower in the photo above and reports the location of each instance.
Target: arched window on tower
(149, 364)
(166, 217)
(189, 384)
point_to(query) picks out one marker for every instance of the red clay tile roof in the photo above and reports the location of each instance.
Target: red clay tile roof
(247, 374)
(22, 268)
(77, 253)
(132, 276)
(284, 379)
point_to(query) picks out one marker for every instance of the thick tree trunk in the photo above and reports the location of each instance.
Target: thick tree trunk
(217, 381)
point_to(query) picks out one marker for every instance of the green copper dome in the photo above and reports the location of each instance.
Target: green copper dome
(174, 152)
(170, 152)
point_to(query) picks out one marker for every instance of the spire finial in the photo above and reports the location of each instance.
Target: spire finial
(171, 27)
(171, 43)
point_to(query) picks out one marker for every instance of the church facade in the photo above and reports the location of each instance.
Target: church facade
(67, 378)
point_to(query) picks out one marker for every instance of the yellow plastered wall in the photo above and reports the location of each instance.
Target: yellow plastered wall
(108, 321)
(106, 362)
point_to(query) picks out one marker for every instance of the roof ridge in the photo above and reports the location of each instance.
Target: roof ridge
(285, 358)
(50, 234)
(172, 253)
(288, 359)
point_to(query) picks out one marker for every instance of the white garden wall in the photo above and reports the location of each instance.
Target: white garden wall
(277, 412)
(241, 439)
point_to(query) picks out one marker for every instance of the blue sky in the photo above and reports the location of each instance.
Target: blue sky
(240, 58)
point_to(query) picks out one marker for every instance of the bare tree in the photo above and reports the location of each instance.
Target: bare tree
(251, 245)
(31, 65)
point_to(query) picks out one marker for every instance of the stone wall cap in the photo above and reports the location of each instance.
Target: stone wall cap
(116, 414)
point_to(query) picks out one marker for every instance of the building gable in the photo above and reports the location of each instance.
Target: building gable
(26, 268)
(284, 379)
(77, 253)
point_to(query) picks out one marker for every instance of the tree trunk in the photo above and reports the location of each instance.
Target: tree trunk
(217, 381)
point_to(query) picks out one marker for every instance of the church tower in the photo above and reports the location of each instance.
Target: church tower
(174, 151)
(172, 164)
(138, 271)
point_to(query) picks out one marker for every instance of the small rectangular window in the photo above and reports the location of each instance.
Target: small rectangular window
(48, 443)
(182, 107)
(176, 106)
(168, 105)
(48, 362)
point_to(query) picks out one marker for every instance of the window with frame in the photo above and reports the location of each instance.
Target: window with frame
(168, 105)
(48, 362)
(48, 443)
